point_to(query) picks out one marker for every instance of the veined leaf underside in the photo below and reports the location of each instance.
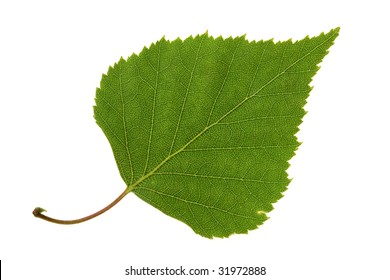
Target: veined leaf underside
(203, 129)
(181, 148)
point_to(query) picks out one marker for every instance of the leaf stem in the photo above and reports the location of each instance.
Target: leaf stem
(38, 212)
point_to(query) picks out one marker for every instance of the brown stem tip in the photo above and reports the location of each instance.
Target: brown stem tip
(37, 211)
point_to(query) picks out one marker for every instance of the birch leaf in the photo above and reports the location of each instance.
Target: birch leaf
(203, 129)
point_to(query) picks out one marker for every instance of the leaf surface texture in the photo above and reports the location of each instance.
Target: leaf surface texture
(203, 129)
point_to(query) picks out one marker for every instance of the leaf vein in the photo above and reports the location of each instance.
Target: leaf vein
(124, 124)
(223, 83)
(153, 109)
(197, 203)
(218, 177)
(186, 95)
(239, 148)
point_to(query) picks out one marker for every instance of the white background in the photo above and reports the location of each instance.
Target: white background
(333, 222)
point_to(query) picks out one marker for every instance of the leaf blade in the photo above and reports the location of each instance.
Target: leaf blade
(202, 106)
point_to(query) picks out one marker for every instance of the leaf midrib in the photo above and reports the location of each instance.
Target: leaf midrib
(131, 187)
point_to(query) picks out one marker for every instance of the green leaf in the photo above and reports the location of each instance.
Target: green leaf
(203, 129)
